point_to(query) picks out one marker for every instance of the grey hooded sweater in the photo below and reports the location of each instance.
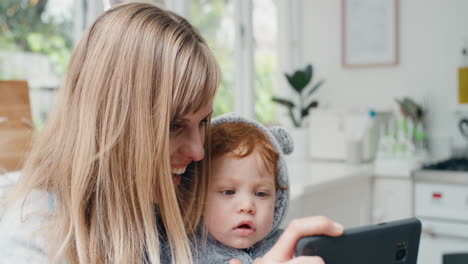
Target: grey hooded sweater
(216, 252)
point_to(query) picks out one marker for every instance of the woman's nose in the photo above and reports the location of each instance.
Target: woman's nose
(247, 207)
(193, 148)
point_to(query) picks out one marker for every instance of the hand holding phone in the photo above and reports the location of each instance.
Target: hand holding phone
(395, 242)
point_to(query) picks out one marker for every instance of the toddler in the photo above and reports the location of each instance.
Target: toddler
(247, 195)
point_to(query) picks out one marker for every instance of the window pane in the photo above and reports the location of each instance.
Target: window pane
(215, 21)
(35, 45)
(265, 51)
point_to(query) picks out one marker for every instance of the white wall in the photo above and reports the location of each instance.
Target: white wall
(431, 34)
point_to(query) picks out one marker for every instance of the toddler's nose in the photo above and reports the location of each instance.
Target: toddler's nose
(247, 207)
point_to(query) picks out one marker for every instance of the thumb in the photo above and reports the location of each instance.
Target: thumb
(284, 248)
(235, 261)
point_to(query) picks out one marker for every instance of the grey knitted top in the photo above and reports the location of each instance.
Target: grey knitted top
(216, 252)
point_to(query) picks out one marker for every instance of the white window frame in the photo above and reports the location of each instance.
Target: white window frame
(244, 90)
(290, 34)
(180, 7)
(85, 13)
(290, 48)
(289, 39)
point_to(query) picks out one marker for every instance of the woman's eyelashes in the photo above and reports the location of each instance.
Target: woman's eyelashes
(203, 123)
(175, 127)
(178, 127)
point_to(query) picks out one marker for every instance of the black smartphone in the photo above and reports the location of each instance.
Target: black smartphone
(395, 242)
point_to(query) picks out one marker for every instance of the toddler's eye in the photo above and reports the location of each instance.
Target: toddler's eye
(228, 192)
(261, 194)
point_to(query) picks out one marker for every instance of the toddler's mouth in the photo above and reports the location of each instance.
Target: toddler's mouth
(245, 225)
(244, 228)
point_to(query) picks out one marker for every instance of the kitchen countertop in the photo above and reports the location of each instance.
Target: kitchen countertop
(437, 176)
(309, 175)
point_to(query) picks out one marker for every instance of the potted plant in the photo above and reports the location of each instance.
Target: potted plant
(299, 81)
(298, 110)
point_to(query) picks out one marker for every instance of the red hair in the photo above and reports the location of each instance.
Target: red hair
(241, 139)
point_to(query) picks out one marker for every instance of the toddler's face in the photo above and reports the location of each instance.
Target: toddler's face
(241, 200)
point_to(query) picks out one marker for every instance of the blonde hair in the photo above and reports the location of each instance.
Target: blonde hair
(104, 153)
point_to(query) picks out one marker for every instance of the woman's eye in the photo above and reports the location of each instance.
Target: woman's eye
(203, 123)
(229, 192)
(174, 127)
(261, 194)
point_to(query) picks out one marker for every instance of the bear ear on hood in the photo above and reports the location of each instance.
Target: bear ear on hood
(284, 139)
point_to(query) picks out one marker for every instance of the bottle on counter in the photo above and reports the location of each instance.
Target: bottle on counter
(463, 77)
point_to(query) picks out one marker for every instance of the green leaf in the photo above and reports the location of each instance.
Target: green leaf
(284, 102)
(315, 87)
(308, 71)
(296, 123)
(290, 80)
(300, 79)
(305, 111)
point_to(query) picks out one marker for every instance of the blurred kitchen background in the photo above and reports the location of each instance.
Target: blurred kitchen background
(374, 92)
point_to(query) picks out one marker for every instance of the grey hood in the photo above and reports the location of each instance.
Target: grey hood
(215, 251)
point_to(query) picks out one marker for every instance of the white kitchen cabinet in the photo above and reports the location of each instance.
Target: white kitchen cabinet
(346, 201)
(441, 203)
(392, 198)
(433, 247)
(441, 236)
(337, 190)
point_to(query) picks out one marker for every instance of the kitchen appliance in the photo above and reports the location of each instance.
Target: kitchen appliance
(456, 258)
(463, 127)
(441, 203)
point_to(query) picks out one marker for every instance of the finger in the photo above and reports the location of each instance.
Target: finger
(306, 260)
(284, 248)
(235, 261)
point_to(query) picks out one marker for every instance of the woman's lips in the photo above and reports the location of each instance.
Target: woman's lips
(177, 179)
(179, 170)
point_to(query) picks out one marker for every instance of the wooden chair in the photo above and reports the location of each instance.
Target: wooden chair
(16, 127)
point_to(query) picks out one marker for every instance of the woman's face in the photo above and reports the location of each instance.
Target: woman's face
(187, 137)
